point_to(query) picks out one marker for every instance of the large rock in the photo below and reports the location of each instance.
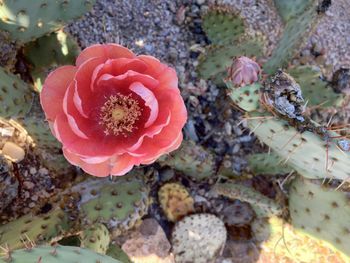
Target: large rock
(148, 244)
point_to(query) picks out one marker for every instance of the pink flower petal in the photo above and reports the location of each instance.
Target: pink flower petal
(83, 78)
(106, 51)
(116, 67)
(150, 101)
(53, 91)
(124, 163)
(126, 79)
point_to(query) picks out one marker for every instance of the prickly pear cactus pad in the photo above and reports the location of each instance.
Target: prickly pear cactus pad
(26, 21)
(118, 204)
(306, 152)
(96, 238)
(289, 9)
(315, 91)
(262, 205)
(191, 159)
(243, 96)
(198, 238)
(267, 163)
(55, 254)
(15, 96)
(294, 35)
(222, 25)
(321, 211)
(281, 242)
(30, 229)
(56, 49)
(213, 64)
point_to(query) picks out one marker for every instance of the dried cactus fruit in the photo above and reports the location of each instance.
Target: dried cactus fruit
(321, 211)
(26, 21)
(191, 159)
(267, 163)
(119, 203)
(96, 238)
(198, 238)
(30, 229)
(262, 205)
(13, 152)
(55, 254)
(315, 91)
(280, 242)
(175, 201)
(222, 25)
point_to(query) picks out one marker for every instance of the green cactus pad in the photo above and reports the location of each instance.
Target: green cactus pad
(96, 238)
(262, 205)
(38, 229)
(305, 152)
(242, 96)
(56, 254)
(214, 63)
(280, 242)
(116, 252)
(222, 26)
(321, 211)
(267, 163)
(294, 34)
(289, 9)
(49, 51)
(191, 159)
(15, 96)
(28, 20)
(315, 90)
(118, 204)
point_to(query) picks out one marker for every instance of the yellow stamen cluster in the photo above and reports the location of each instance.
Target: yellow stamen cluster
(119, 114)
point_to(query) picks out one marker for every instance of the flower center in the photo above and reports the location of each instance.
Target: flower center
(119, 114)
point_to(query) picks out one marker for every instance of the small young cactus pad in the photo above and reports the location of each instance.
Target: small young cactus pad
(321, 211)
(198, 238)
(55, 254)
(28, 20)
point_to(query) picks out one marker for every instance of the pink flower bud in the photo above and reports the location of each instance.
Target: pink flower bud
(243, 71)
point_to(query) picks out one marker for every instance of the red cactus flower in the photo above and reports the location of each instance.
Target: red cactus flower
(114, 110)
(243, 71)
